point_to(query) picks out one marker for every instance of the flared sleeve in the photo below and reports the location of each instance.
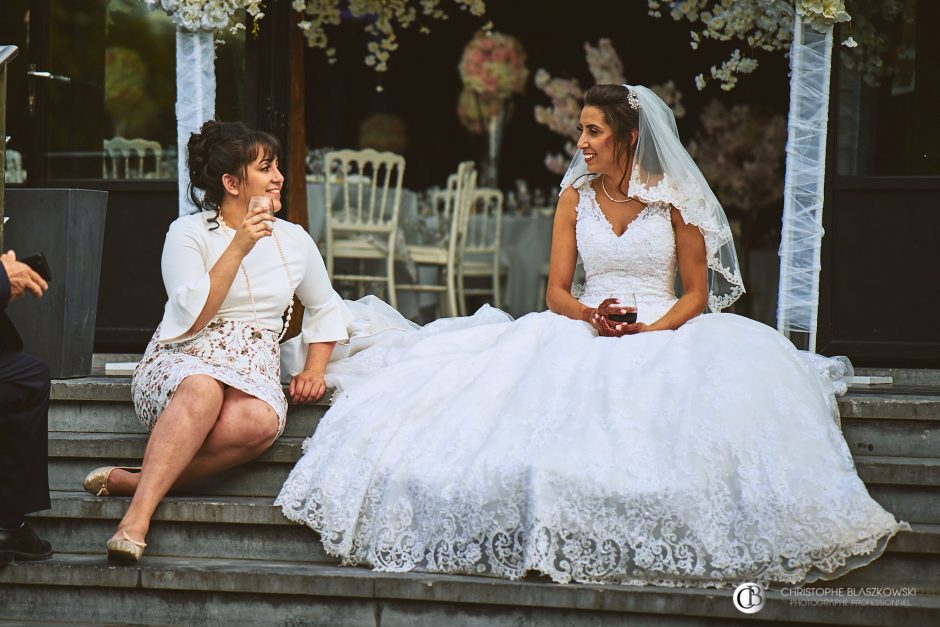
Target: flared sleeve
(326, 316)
(186, 280)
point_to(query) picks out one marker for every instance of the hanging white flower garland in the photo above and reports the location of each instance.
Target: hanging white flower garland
(197, 22)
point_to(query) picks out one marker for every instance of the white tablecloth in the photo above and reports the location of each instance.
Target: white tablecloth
(525, 246)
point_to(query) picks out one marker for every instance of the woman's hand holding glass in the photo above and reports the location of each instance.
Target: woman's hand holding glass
(258, 223)
(600, 318)
(307, 387)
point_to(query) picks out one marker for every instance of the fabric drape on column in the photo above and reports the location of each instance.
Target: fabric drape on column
(801, 233)
(195, 97)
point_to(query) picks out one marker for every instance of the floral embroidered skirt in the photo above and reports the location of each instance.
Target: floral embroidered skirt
(233, 352)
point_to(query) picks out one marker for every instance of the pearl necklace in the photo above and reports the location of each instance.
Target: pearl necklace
(251, 296)
(609, 197)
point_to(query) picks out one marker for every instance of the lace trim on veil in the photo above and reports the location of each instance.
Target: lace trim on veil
(694, 210)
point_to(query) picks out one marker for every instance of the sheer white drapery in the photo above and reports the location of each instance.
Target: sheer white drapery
(801, 233)
(195, 97)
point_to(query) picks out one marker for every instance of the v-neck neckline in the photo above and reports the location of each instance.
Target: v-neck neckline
(610, 226)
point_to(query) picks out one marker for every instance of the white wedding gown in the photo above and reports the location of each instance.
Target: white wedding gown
(705, 456)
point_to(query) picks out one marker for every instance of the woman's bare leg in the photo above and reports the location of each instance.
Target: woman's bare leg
(179, 433)
(246, 428)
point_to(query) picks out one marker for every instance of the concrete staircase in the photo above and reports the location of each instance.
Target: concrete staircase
(224, 554)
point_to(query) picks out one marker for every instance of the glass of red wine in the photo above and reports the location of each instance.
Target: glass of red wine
(629, 317)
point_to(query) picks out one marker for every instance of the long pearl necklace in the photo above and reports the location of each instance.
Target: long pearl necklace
(251, 296)
(609, 197)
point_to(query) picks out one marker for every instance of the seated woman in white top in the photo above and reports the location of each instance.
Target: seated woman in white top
(208, 386)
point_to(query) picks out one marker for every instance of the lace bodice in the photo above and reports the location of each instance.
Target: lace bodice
(640, 261)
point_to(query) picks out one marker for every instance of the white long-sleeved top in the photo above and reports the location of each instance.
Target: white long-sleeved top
(190, 251)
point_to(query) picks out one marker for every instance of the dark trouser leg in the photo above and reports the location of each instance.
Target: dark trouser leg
(24, 438)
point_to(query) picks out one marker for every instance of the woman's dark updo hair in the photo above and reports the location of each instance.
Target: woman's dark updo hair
(223, 148)
(622, 118)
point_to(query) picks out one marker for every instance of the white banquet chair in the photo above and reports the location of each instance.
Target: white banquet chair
(364, 225)
(450, 208)
(479, 247)
(121, 153)
(13, 167)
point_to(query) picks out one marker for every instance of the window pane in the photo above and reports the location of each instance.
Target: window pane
(121, 120)
(888, 89)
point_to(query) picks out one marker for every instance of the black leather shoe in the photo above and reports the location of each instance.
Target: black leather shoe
(22, 545)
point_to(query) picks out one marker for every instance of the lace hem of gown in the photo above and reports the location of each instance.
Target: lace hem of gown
(638, 540)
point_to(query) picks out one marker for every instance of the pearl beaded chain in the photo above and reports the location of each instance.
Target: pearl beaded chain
(251, 296)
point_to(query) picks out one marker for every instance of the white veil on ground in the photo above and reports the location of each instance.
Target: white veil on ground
(663, 171)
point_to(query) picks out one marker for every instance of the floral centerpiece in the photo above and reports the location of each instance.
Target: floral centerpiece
(492, 68)
(493, 65)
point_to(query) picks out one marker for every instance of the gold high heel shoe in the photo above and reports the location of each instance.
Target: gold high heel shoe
(97, 480)
(124, 549)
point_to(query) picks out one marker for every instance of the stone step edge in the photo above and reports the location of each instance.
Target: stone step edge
(112, 389)
(919, 471)
(111, 447)
(883, 405)
(923, 538)
(318, 580)
(74, 445)
(183, 509)
(890, 407)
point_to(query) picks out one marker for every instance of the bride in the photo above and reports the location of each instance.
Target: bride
(681, 449)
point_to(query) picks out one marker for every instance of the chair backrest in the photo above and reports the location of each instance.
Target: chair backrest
(442, 200)
(484, 222)
(121, 153)
(465, 181)
(370, 184)
(13, 167)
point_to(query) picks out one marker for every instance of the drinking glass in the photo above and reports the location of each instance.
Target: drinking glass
(261, 202)
(630, 316)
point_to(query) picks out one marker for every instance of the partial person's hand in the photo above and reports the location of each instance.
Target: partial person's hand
(633, 329)
(257, 224)
(307, 387)
(22, 277)
(598, 318)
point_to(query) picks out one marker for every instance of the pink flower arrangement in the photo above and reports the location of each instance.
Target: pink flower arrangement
(493, 65)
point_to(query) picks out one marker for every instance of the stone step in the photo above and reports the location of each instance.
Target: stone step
(892, 437)
(253, 528)
(915, 504)
(104, 405)
(884, 470)
(190, 591)
(73, 455)
(254, 479)
(891, 405)
(905, 376)
(219, 527)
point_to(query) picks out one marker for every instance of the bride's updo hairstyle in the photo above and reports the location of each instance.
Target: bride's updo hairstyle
(223, 148)
(613, 101)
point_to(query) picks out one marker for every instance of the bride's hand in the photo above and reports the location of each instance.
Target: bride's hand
(598, 318)
(633, 329)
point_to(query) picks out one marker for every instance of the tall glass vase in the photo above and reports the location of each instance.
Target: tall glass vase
(494, 139)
